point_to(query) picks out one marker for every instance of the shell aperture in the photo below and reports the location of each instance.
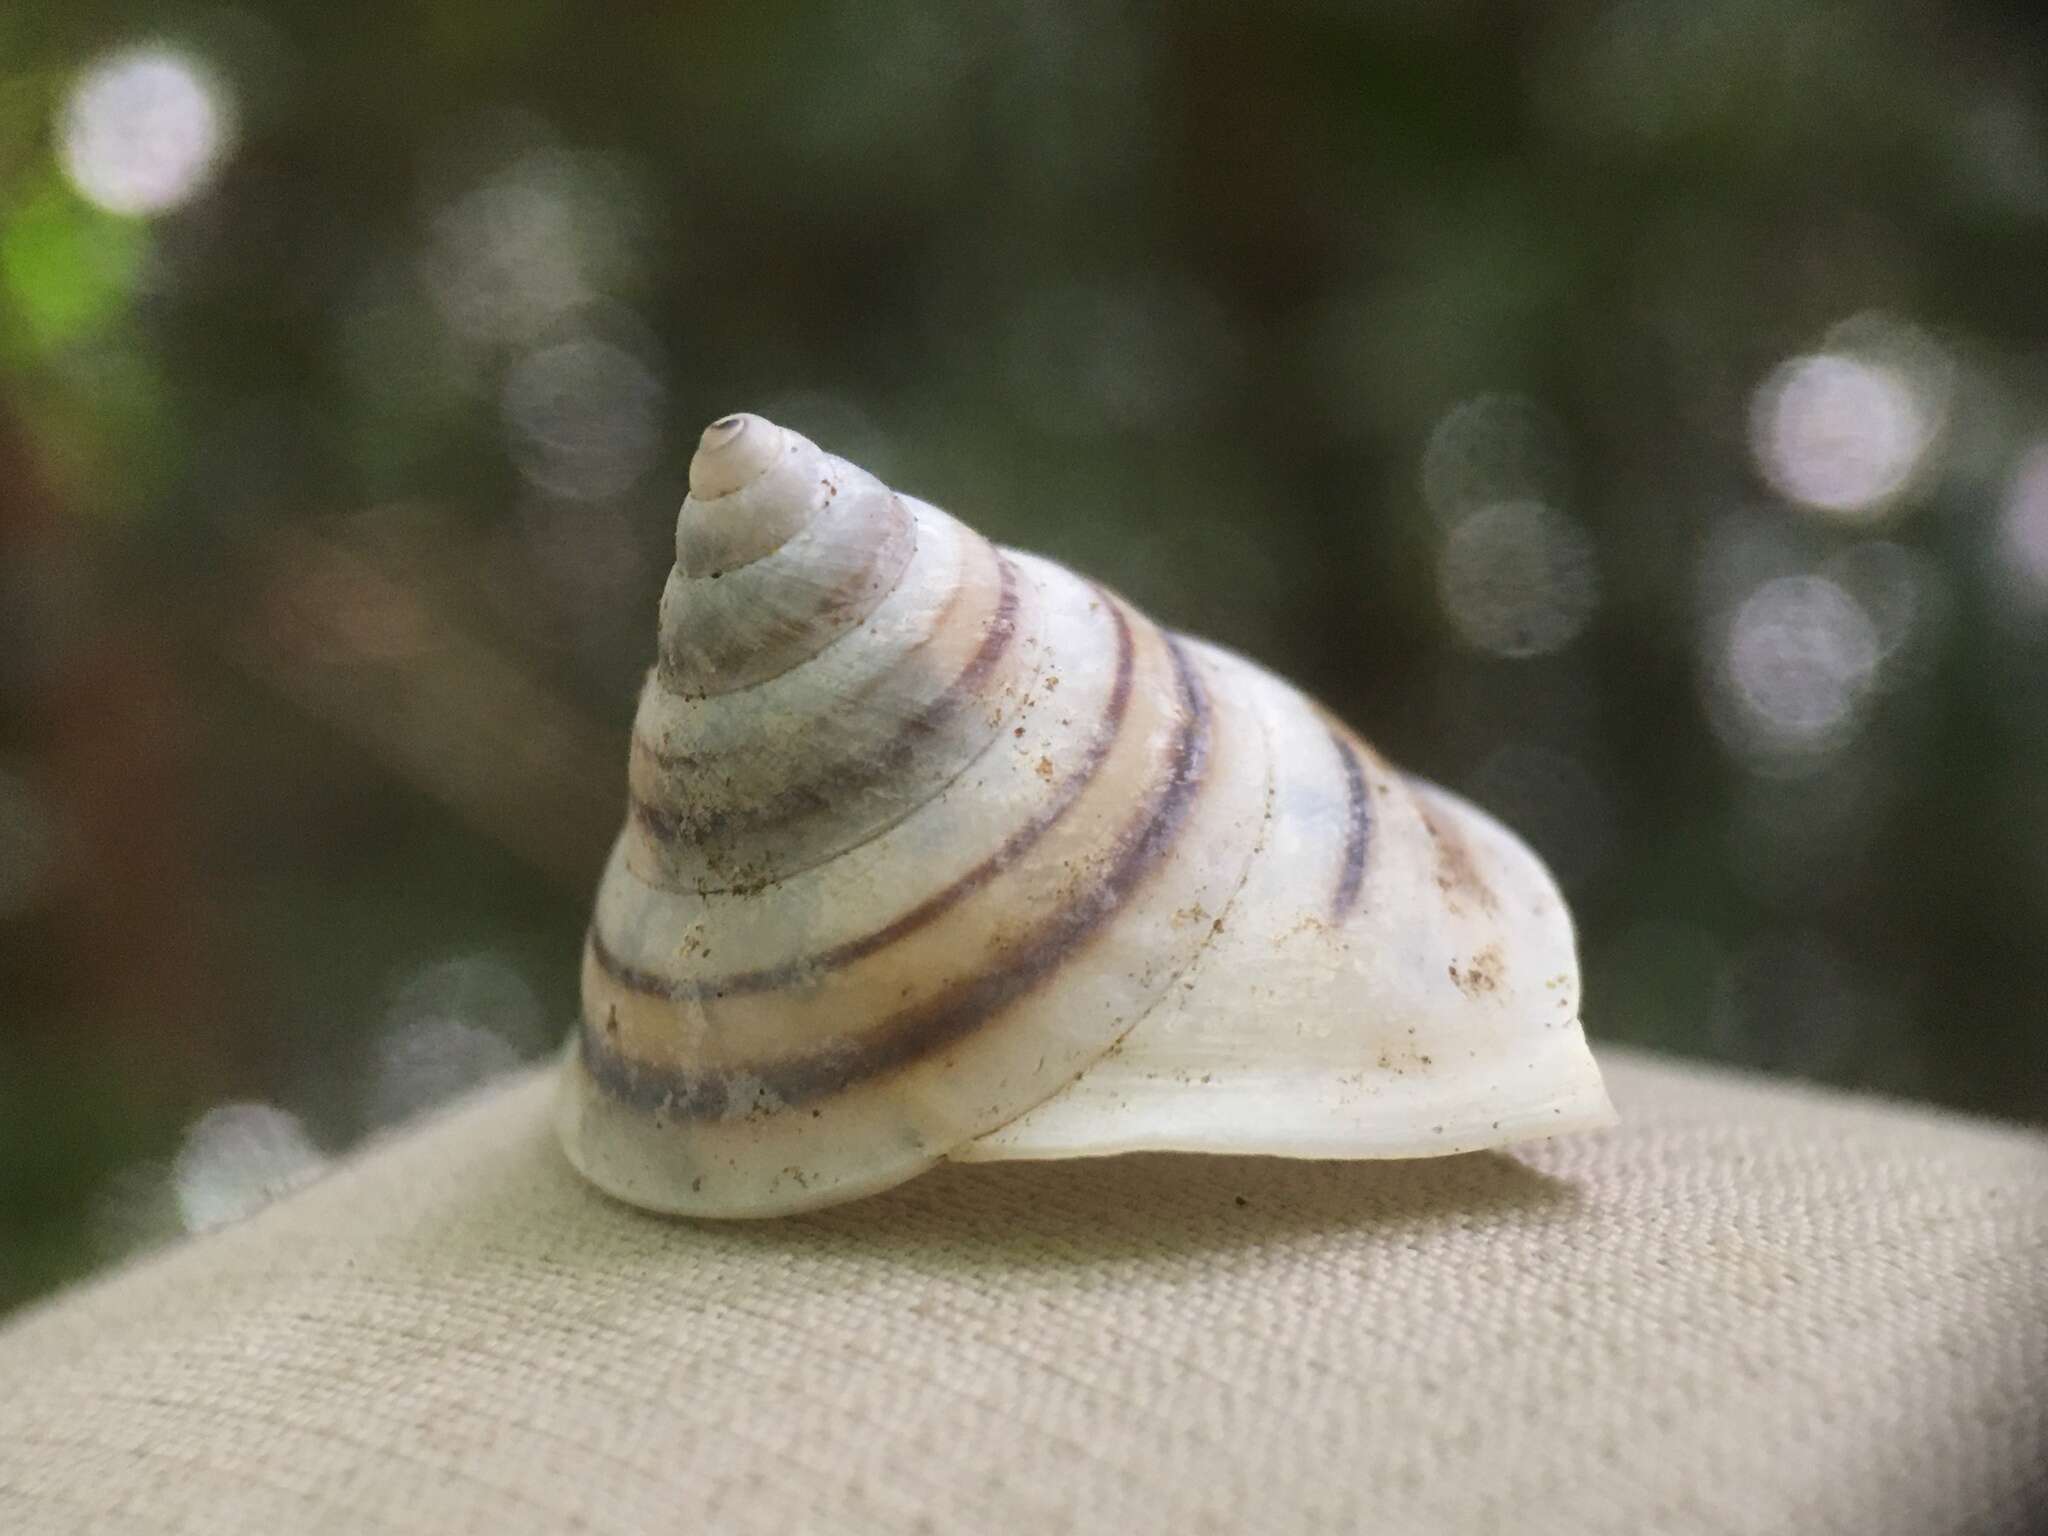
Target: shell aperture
(938, 850)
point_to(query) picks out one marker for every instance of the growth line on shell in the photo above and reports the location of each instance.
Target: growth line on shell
(1357, 828)
(915, 1033)
(769, 978)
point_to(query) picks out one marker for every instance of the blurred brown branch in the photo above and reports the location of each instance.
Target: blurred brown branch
(350, 624)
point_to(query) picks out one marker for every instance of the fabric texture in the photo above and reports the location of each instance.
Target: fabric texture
(1749, 1308)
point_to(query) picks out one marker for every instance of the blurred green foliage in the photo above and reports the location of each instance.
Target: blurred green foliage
(1441, 354)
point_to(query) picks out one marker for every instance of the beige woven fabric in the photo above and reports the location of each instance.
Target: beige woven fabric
(1750, 1308)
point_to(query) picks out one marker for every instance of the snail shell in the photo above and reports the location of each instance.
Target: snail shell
(940, 850)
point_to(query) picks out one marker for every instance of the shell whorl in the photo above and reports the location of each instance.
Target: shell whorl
(936, 849)
(780, 549)
(807, 700)
(751, 488)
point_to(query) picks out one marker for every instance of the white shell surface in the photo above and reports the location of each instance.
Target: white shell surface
(940, 850)
(1424, 1003)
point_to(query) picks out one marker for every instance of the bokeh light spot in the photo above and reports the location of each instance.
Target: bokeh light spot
(453, 1024)
(236, 1159)
(521, 249)
(584, 417)
(432, 1061)
(1838, 432)
(2022, 549)
(1518, 579)
(1492, 448)
(1800, 657)
(144, 129)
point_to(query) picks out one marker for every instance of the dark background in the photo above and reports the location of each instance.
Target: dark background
(1631, 415)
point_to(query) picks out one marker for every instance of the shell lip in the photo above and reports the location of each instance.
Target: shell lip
(1429, 1071)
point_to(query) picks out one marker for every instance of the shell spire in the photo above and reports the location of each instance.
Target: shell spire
(733, 453)
(938, 850)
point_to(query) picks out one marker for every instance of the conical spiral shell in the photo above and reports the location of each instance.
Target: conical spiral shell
(940, 850)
